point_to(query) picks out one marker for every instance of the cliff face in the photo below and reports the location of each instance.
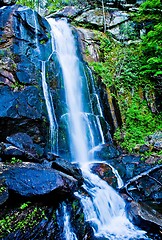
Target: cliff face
(25, 43)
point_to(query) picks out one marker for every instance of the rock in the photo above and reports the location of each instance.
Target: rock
(21, 145)
(148, 187)
(104, 152)
(156, 140)
(105, 172)
(33, 180)
(143, 215)
(89, 43)
(144, 148)
(68, 168)
(68, 12)
(9, 152)
(24, 142)
(7, 2)
(12, 151)
(21, 140)
(95, 17)
(3, 191)
(24, 43)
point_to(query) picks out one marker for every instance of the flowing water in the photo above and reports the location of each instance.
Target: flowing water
(50, 110)
(103, 207)
(67, 231)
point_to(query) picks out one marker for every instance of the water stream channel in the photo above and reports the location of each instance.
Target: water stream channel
(103, 208)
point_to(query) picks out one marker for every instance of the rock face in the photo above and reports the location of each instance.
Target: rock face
(117, 23)
(25, 43)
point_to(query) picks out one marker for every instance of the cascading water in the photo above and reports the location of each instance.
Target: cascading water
(103, 207)
(50, 110)
(67, 231)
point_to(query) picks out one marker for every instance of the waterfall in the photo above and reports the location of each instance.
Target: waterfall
(103, 208)
(50, 111)
(72, 82)
(68, 233)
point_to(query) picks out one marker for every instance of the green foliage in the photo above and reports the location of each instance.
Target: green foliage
(2, 189)
(17, 86)
(15, 160)
(120, 67)
(25, 217)
(29, 3)
(150, 15)
(24, 205)
(139, 123)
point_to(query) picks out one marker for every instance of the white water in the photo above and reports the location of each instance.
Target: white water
(50, 110)
(66, 52)
(105, 210)
(102, 206)
(67, 231)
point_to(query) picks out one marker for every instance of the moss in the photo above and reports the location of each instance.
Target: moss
(22, 218)
(119, 67)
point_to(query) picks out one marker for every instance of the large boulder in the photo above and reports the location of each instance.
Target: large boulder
(30, 180)
(147, 217)
(65, 167)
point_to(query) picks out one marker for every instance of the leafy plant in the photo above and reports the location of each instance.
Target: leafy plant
(15, 160)
(120, 68)
(150, 16)
(24, 205)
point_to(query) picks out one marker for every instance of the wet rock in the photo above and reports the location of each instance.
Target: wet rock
(105, 172)
(105, 152)
(68, 168)
(82, 229)
(33, 180)
(145, 216)
(23, 141)
(12, 151)
(25, 42)
(147, 186)
(21, 111)
(133, 166)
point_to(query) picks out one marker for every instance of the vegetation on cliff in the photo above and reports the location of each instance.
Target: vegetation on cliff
(135, 71)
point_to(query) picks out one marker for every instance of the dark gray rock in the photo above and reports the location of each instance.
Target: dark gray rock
(3, 191)
(68, 168)
(105, 152)
(12, 151)
(68, 12)
(9, 152)
(24, 143)
(7, 2)
(24, 42)
(143, 215)
(21, 140)
(33, 180)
